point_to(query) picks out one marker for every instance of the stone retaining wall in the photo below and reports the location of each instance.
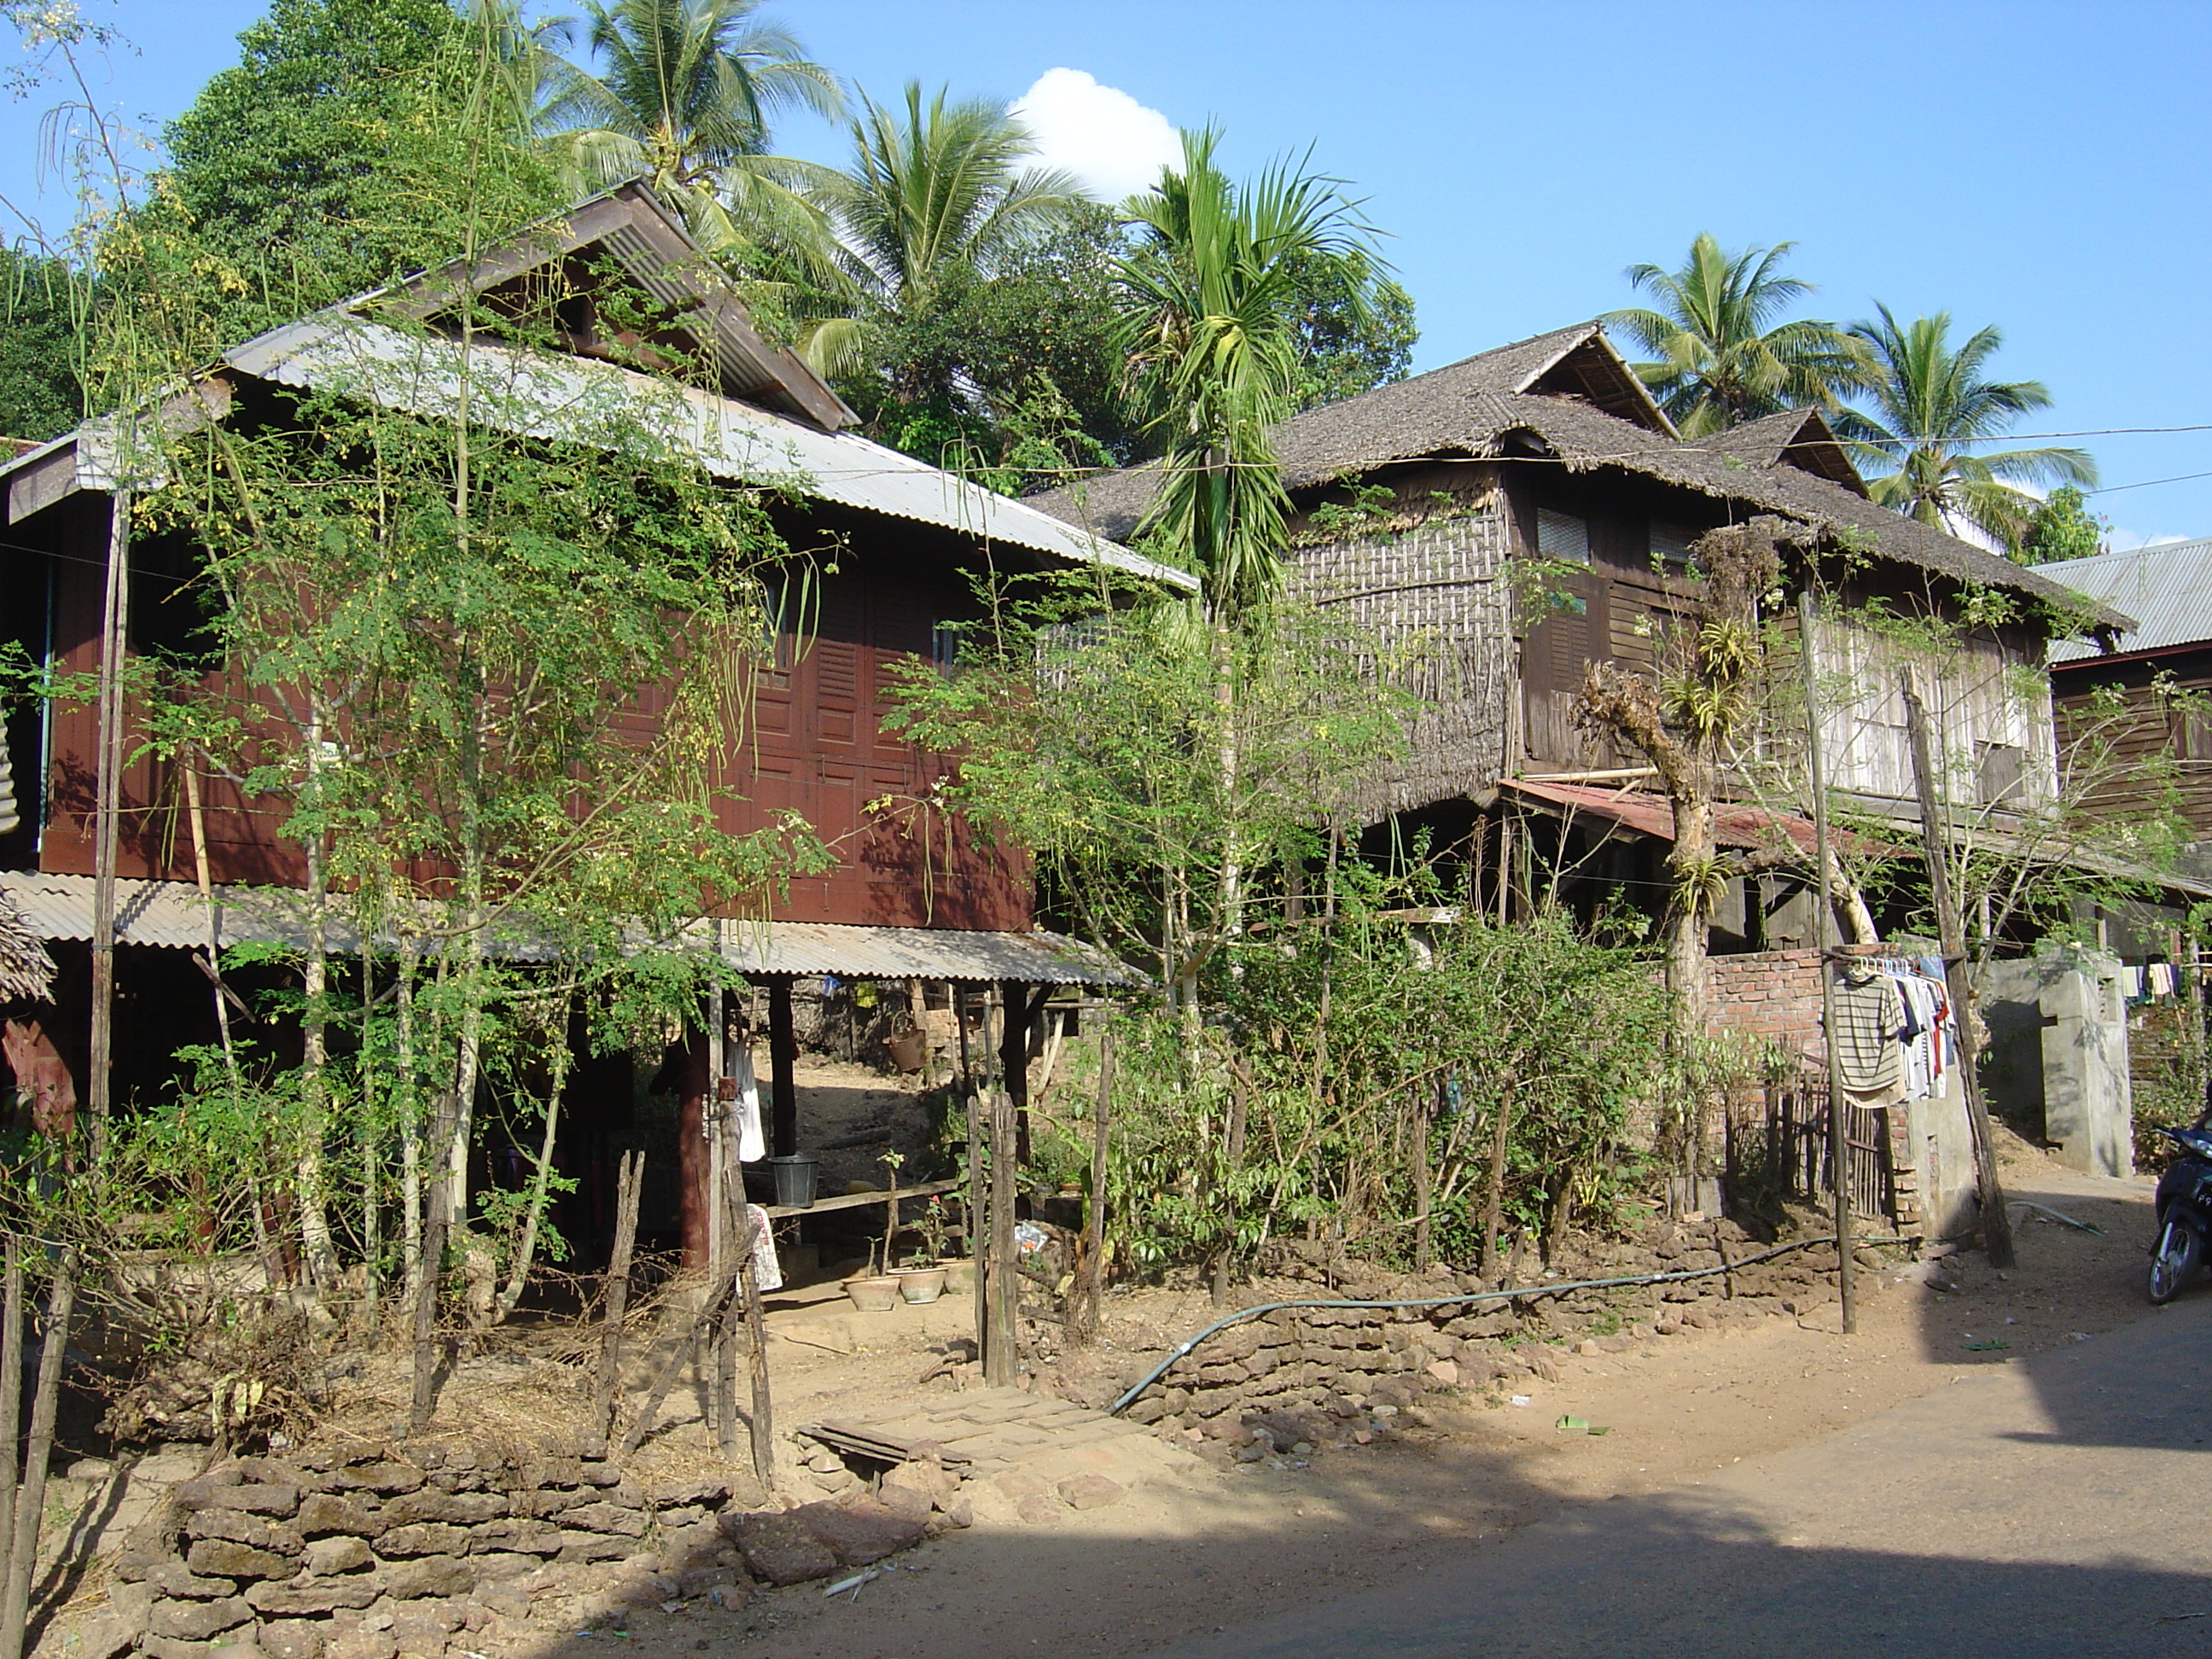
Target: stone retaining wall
(1345, 1362)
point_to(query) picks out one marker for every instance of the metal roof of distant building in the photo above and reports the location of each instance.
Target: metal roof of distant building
(172, 915)
(2166, 588)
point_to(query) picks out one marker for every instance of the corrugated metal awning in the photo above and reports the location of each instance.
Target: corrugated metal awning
(805, 949)
(173, 915)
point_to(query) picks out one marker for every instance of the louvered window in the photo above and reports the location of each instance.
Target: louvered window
(1563, 536)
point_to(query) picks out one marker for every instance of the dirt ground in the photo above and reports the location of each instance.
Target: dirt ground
(1192, 1546)
(1188, 1553)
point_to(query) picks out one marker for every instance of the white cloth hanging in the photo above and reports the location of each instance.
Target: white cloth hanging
(752, 1145)
(767, 1271)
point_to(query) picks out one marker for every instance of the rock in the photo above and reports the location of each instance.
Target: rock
(320, 1596)
(169, 1647)
(280, 1502)
(1544, 1365)
(503, 1568)
(463, 1509)
(694, 1582)
(1697, 1317)
(597, 1472)
(531, 1537)
(959, 1511)
(196, 1621)
(780, 1547)
(175, 1578)
(321, 1512)
(1446, 1372)
(506, 1601)
(249, 1529)
(1091, 1491)
(338, 1554)
(220, 1558)
(235, 1649)
(360, 1644)
(103, 1635)
(386, 1477)
(424, 1538)
(683, 1494)
(417, 1637)
(1588, 1347)
(906, 1501)
(269, 1472)
(581, 1546)
(604, 1517)
(429, 1575)
(292, 1638)
(1038, 1512)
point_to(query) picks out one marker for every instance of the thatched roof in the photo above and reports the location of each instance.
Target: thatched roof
(27, 972)
(1553, 397)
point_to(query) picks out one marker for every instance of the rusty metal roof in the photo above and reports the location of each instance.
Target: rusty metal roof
(172, 915)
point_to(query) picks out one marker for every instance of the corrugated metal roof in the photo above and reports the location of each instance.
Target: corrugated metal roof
(580, 401)
(808, 948)
(171, 913)
(2167, 589)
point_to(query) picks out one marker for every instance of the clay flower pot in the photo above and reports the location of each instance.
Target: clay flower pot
(920, 1284)
(959, 1274)
(873, 1292)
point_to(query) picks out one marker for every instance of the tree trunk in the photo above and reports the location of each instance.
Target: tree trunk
(410, 1123)
(314, 1040)
(1493, 1188)
(525, 1252)
(31, 1498)
(1686, 914)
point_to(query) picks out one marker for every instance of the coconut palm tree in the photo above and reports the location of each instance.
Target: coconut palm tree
(933, 190)
(1719, 356)
(686, 97)
(1930, 410)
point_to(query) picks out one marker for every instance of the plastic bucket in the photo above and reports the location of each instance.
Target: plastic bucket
(795, 1180)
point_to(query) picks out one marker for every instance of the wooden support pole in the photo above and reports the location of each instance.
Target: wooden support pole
(107, 815)
(1823, 927)
(712, 1115)
(424, 1399)
(1996, 1221)
(783, 1060)
(11, 1387)
(975, 1205)
(763, 1422)
(1001, 1261)
(1423, 1233)
(31, 1496)
(737, 1258)
(615, 1297)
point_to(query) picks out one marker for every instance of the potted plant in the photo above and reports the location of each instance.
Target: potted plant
(920, 1279)
(873, 1292)
(937, 1243)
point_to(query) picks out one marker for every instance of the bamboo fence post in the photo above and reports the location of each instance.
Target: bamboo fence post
(616, 1297)
(1084, 1327)
(11, 1388)
(424, 1399)
(31, 1496)
(763, 1423)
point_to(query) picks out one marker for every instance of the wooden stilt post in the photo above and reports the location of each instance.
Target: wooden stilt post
(1996, 1221)
(1824, 923)
(721, 1398)
(783, 1060)
(737, 1257)
(424, 1399)
(1005, 1299)
(107, 810)
(975, 1206)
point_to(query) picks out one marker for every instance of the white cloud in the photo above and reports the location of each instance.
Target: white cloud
(1106, 138)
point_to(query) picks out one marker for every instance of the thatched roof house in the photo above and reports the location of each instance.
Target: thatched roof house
(1551, 448)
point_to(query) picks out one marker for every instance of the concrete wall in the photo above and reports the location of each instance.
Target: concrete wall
(2058, 1059)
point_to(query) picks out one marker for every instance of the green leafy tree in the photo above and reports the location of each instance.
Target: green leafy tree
(1355, 329)
(2063, 527)
(283, 166)
(1720, 354)
(41, 392)
(1931, 411)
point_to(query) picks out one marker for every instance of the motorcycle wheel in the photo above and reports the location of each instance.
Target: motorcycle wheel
(2174, 1259)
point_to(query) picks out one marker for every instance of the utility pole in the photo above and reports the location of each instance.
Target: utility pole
(108, 811)
(1997, 1222)
(1824, 923)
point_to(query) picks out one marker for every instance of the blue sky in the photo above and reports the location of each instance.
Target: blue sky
(2043, 166)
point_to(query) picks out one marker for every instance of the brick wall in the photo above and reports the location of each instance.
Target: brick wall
(1771, 995)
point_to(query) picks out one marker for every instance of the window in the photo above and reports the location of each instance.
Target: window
(945, 646)
(2188, 729)
(1998, 768)
(1670, 545)
(1562, 535)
